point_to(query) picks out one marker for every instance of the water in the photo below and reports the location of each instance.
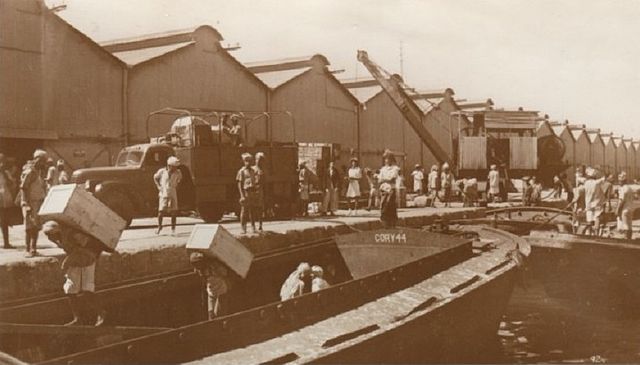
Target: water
(537, 328)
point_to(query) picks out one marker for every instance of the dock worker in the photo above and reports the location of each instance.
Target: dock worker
(217, 279)
(167, 180)
(234, 131)
(447, 181)
(8, 187)
(33, 189)
(469, 192)
(79, 265)
(261, 187)
(580, 174)
(535, 198)
(594, 200)
(246, 179)
(624, 210)
(607, 187)
(566, 186)
(389, 173)
(418, 179)
(372, 180)
(297, 283)
(353, 188)
(433, 184)
(304, 187)
(332, 181)
(57, 175)
(494, 183)
(318, 282)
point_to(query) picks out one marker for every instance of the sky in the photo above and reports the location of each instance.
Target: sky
(573, 59)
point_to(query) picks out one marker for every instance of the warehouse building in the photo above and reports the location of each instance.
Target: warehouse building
(383, 126)
(636, 158)
(65, 91)
(597, 148)
(609, 152)
(564, 133)
(621, 155)
(185, 69)
(631, 158)
(319, 109)
(582, 145)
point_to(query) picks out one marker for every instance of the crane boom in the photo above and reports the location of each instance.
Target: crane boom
(411, 112)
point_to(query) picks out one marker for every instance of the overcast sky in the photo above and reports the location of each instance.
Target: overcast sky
(576, 60)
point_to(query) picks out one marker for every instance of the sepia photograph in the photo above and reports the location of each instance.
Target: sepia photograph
(319, 181)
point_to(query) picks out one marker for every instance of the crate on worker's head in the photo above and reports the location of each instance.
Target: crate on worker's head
(216, 242)
(70, 204)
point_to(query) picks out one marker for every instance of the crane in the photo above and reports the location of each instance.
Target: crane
(394, 86)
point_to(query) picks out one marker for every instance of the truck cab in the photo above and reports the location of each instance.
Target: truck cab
(209, 163)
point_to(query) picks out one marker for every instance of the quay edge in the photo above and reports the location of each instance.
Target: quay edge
(153, 255)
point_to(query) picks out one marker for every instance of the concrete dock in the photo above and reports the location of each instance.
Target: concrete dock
(143, 253)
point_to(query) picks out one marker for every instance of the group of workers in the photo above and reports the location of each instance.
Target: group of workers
(22, 194)
(383, 183)
(304, 279)
(592, 197)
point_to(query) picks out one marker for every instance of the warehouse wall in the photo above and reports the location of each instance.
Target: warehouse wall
(610, 156)
(323, 110)
(82, 96)
(202, 75)
(582, 150)
(597, 153)
(570, 151)
(621, 159)
(21, 52)
(383, 126)
(442, 126)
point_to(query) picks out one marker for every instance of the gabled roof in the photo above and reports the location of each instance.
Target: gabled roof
(139, 50)
(558, 129)
(275, 79)
(606, 138)
(628, 143)
(636, 145)
(53, 16)
(593, 134)
(366, 94)
(577, 130)
(278, 73)
(617, 140)
(137, 56)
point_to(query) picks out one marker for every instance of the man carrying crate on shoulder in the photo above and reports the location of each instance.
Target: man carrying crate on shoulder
(79, 265)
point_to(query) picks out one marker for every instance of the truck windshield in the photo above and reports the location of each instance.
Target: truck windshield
(129, 158)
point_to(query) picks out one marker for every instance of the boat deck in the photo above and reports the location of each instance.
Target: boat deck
(316, 342)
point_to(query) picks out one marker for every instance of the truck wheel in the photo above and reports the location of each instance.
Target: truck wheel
(119, 203)
(210, 213)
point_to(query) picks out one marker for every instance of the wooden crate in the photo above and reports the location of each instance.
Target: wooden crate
(216, 242)
(71, 204)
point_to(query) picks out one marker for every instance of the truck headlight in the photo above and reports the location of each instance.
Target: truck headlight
(87, 185)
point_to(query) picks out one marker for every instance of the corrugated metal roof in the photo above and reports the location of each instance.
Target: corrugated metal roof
(144, 54)
(276, 78)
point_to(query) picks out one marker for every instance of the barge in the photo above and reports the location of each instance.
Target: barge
(405, 294)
